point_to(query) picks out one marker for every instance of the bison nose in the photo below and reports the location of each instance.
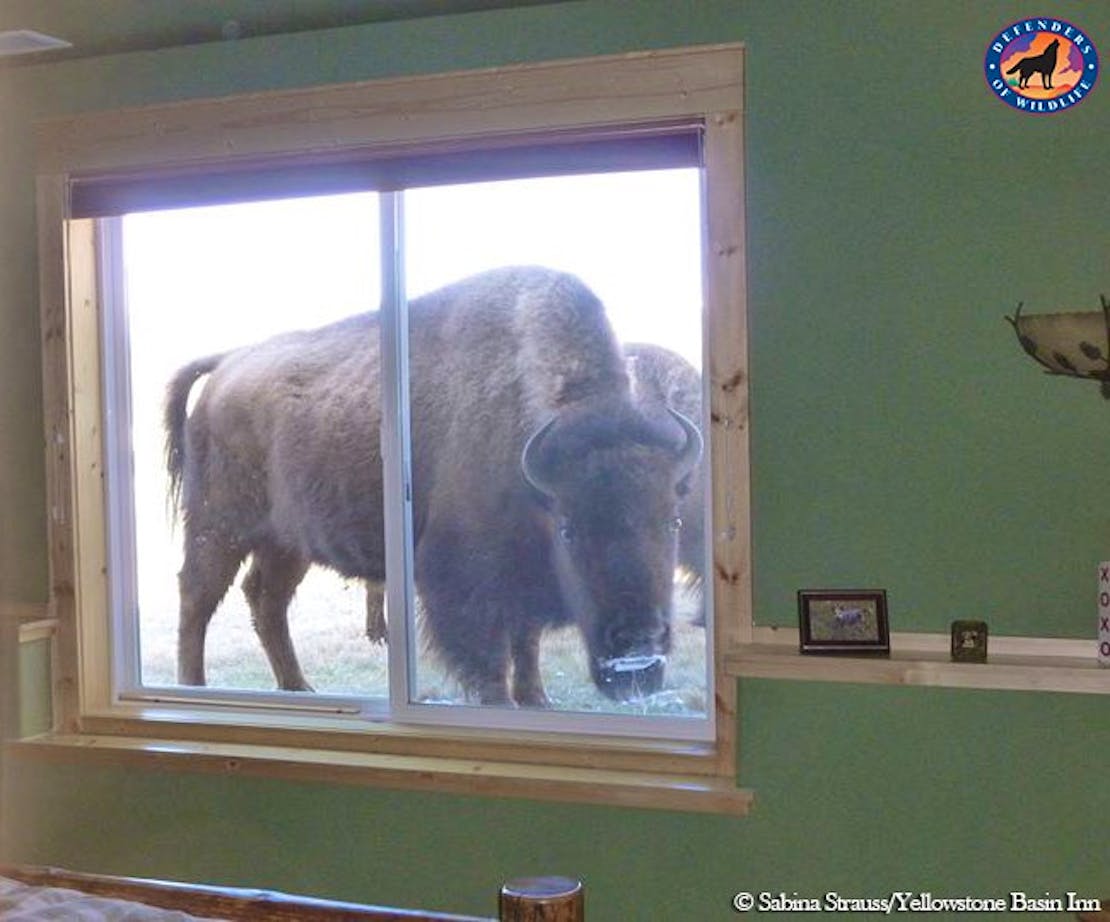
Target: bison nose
(630, 678)
(637, 638)
(632, 657)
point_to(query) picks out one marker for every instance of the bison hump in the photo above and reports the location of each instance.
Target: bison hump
(568, 350)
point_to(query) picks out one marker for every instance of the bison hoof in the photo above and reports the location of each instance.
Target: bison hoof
(534, 699)
(630, 678)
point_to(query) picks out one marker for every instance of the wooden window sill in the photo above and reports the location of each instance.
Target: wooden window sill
(1013, 663)
(639, 773)
(652, 790)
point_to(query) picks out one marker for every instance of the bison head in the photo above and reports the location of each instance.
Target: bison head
(610, 480)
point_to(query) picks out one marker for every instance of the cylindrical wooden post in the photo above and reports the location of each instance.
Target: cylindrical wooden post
(542, 899)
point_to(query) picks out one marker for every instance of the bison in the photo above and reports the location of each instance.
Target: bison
(543, 492)
(660, 377)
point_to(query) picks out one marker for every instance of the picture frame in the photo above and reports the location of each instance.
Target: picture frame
(846, 621)
(969, 641)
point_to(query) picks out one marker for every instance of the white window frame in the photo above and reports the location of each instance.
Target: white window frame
(703, 83)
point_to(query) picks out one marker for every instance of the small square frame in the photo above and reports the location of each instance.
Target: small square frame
(843, 621)
(969, 641)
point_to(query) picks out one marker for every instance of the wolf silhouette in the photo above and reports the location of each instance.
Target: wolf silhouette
(1043, 64)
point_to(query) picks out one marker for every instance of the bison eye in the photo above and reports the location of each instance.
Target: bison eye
(567, 532)
(675, 524)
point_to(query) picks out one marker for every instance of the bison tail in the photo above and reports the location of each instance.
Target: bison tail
(177, 402)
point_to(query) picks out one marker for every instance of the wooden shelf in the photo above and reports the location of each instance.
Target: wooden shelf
(1026, 664)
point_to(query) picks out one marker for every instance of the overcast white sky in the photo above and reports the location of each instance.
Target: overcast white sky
(204, 279)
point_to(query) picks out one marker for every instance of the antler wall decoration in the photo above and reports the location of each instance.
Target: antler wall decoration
(1075, 343)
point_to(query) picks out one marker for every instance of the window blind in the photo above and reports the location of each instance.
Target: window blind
(641, 147)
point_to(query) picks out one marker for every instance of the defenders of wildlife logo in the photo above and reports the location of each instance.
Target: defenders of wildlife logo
(1041, 65)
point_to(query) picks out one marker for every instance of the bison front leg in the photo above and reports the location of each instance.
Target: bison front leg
(481, 664)
(269, 586)
(528, 688)
(470, 639)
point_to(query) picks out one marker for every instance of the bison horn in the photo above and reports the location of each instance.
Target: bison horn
(538, 476)
(690, 454)
(530, 463)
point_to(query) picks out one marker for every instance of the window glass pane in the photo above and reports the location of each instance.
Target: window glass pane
(567, 573)
(200, 282)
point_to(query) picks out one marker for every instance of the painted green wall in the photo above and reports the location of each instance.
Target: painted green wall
(900, 439)
(861, 790)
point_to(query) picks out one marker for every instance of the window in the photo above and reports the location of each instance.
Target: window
(256, 270)
(474, 245)
(203, 281)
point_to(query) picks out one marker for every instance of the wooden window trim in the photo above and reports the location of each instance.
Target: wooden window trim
(704, 83)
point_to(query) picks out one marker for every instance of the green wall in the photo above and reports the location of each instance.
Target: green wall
(862, 790)
(900, 439)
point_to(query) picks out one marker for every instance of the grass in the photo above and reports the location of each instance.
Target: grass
(327, 621)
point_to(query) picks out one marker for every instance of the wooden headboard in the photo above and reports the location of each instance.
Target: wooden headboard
(557, 899)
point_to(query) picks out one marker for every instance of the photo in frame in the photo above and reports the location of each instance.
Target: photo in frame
(843, 621)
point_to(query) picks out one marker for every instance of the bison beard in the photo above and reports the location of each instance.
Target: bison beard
(280, 460)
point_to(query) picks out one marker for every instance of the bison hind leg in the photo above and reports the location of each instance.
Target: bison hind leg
(211, 562)
(376, 631)
(269, 587)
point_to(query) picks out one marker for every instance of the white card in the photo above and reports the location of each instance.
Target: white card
(1104, 613)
